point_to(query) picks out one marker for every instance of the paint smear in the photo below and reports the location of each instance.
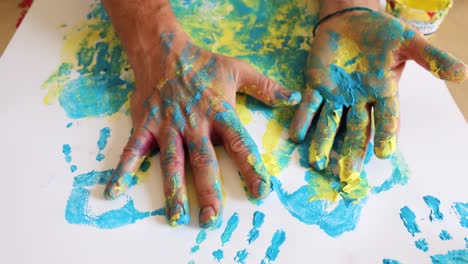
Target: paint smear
(241, 256)
(200, 238)
(231, 226)
(462, 211)
(452, 257)
(274, 249)
(257, 222)
(444, 235)
(104, 135)
(433, 204)
(66, 150)
(400, 174)
(422, 245)
(333, 219)
(77, 210)
(218, 254)
(409, 220)
(390, 261)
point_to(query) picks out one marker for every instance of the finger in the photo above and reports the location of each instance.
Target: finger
(357, 136)
(244, 152)
(138, 147)
(324, 135)
(263, 89)
(442, 64)
(387, 115)
(304, 115)
(172, 166)
(207, 183)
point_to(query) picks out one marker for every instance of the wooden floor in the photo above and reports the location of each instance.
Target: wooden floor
(452, 36)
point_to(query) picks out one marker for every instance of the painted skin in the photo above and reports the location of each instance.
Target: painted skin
(184, 102)
(353, 69)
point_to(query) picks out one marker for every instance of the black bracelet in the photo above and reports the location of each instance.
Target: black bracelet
(356, 8)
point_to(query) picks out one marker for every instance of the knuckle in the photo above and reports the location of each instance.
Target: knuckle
(200, 160)
(172, 158)
(207, 194)
(236, 144)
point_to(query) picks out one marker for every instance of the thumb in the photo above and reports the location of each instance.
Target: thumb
(442, 64)
(255, 84)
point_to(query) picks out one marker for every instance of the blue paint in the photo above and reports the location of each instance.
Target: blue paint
(466, 242)
(69, 125)
(349, 86)
(274, 249)
(231, 226)
(104, 135)
(294, 98)
(408, 34)
(160, 211)
(433, 204)
(333, 218)
(390, 261)
(144, 167)
(66, 150)
(452, 257)
(218, 255)
(77, 210)
(422, 245)
(200, 238)
(334, 38)
(462, 211)
(444, 235)
(78, 97)
(257, 222)
(409, 220)
(241, 256)
(400, 174)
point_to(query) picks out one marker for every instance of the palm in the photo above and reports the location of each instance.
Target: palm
(355, 64)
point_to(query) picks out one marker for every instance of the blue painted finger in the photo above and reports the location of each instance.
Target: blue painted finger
(140, 144)
(207, 182)
(324, 135)
(172, 166)
(304, 115)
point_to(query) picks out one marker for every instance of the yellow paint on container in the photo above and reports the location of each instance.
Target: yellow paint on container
(424, 15)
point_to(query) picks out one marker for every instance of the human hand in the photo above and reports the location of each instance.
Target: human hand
(185, 96)
(353, 69)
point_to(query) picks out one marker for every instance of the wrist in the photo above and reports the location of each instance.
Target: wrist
(140, 25)
(330, 6)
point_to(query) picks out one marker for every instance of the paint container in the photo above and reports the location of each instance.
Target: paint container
(424, 15)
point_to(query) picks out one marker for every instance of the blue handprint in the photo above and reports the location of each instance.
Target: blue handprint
(78, 210)
(409, 220)
(271, 253)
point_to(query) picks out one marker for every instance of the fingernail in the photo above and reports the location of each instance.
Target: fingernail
(112, 191)
(294, 98)
(178, 216)
(319, 164)
(264, 188)
(385, 148)
(208, 218)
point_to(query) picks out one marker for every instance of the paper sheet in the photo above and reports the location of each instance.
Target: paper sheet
(42, 222)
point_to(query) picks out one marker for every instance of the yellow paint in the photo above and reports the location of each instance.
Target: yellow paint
(427, 5)
(348, 50)
(322, 190)
(270, 141)
(385, 148)
(244, 114)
